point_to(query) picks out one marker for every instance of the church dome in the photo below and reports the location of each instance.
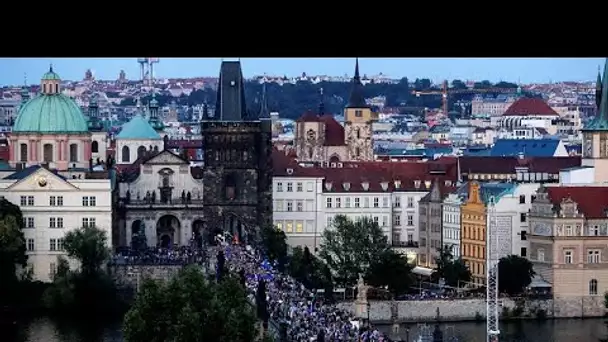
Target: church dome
(50, 112)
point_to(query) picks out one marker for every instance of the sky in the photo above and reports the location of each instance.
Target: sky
(13, 71)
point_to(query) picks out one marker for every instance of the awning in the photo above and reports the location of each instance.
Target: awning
(539, 282)
(423, 271)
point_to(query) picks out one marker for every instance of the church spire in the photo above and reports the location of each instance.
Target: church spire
(230, 104)
(357, 100)
(321, 103)
(600, 123)
(598, 89)
(264, 112)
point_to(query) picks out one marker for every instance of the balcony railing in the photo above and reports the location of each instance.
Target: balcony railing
(176, 201)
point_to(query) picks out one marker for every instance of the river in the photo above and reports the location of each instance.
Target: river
(589, 330)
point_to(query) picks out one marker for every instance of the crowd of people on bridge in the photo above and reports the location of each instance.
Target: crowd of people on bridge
(159, 256)
(289, 302)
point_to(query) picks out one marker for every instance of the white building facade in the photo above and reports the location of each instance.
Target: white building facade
(53, 206)
(451, 223)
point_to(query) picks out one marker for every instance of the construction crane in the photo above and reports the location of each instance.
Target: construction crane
(142, 67)
(492, 259)
(446, 91)
(151, 62)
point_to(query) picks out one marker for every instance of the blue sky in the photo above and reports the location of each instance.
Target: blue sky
(526, 70)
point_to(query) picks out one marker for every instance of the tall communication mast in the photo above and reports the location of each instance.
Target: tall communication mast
(492, 258)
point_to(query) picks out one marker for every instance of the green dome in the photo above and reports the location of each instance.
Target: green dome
(51, 76)
(52, 114)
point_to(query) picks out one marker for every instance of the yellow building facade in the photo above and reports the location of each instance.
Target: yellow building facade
(473, 234)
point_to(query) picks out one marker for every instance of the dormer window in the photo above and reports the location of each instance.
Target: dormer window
(346, 186)
(448, 183)
(328, 186)
(397, 184)
(427, 184)
(384, 185)
(417, 184)
(365, 186)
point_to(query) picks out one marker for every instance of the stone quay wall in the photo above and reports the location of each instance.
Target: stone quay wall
(134, 275)
(475, 309)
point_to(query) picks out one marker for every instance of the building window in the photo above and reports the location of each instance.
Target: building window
(594, 256)
(376, 202)
(278, 205)
(279, 225)
(89, 201)
(60, 201)
(88, 222)
(230, 187)
(60, 222)
(523, 252)
(95, 147)
(522, 217)
(289, 206)
(289, 227)
(299, 227)
(358, 113)
(52, 201)
(410, 202)
(522, 199)
(540, 255)
(47, 150)
(52, 222)
(410, 220)
(384, 221)
(357, 202)
(366, 202)
(279, 187)
(568, 230)
(594, 230)
(52, 270)
(289, 187)
(593, 287)
(524, 235)
(23, 152)
(30, 200)
(385, 202)
(299, 206)
(30, 245)
(53, 245)
(397, 220)
(141, 152)
(347, 202)
(299, 187)
(328, 202)
(338, 202)
(397, 202)
(310, 186)
(126, 154)
(73, 153)
(568, 258)
(23, 201)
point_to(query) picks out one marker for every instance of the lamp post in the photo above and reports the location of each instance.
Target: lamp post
(368, 320)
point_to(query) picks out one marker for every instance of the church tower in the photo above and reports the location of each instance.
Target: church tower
(595, 134)
(358, 120)
(237, 171)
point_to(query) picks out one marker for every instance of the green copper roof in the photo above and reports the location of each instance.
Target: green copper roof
(138, 128)
(52, 114)
(51, 75)
(600, 122)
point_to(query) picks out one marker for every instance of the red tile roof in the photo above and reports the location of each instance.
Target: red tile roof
(526, 106)
(507, 165)
(592, 200)
(377, 176)
(334, 131)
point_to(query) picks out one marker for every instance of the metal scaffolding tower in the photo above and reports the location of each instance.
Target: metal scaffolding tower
(492, 258)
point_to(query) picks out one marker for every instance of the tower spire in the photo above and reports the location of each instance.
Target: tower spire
(600, 123)
(321, 102)
(598, 89)
(264, 112)
(357, 100)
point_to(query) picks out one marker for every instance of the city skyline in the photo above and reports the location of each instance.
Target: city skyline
(14, 71)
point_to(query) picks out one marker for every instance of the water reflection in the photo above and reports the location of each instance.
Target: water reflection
(589, 330)
(47, 330)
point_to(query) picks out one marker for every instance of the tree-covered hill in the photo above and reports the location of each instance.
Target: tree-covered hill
(292, 100)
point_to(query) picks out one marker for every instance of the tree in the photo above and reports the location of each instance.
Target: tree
(392, 270)
(350, 247)
(452, 271)
(190, 308)
(309, 270)
(458, 84)
(12, 253)
(89, 246)
(514, 274)
(274, 243)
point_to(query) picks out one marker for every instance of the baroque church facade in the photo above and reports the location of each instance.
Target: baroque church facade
(320, 138)
(170, 203)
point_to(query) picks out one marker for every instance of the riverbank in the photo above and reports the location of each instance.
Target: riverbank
(385, 312)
